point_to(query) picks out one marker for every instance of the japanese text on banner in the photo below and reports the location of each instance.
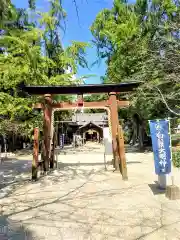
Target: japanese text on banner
(161, 145)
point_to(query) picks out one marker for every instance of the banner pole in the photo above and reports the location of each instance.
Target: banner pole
(162, 178)
(162, 181)
(170, 138)
(172, 177)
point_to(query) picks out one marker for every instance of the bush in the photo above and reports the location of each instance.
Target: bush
(127, 136)
(176, 158)
(175, 139)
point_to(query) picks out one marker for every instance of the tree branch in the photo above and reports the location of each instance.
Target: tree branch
(163, 99)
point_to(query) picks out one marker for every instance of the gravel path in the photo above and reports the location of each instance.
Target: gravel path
(82, 201)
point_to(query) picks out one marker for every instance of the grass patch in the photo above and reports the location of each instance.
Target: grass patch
(175, 139)
(176, 158)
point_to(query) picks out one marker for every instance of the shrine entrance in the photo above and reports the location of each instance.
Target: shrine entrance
(48, 106)
(91, 132)
(92, 135)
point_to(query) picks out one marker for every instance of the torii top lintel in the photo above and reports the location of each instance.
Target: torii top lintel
(81, 89)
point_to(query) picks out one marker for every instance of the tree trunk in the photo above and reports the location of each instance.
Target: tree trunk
(13, 142)
(138, 132)
(135, 132)
(141, 137)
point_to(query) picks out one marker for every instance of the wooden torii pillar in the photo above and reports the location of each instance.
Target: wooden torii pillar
(47, 110)
(114, 127)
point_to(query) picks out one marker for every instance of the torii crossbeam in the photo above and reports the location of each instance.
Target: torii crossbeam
(72, 105)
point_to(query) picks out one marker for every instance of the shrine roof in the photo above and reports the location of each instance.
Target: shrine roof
(91, 124)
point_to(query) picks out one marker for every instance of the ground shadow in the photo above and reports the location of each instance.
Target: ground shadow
(71, 213)
(133, 162)
(62, 165)
(13, 230)
(24, 152)
(135, 149)
(77, 199)
(77, 151)
(156, 189)
(80, 150)
(13, 172)
(69, 149)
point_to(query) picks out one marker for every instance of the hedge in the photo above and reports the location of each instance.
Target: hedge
(176, 158)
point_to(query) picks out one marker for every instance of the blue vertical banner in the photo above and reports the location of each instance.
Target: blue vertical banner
(161, 144)
(61, 141)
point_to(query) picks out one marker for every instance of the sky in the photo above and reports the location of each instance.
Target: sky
(79, 30)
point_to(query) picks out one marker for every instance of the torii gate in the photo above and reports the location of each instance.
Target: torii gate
(110, 105)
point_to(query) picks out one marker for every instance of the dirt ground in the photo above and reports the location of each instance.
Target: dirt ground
(82, 201)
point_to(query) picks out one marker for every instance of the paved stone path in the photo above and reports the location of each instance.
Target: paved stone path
(82, 201)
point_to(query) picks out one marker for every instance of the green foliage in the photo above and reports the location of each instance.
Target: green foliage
(95, 97)
(127, 136)
(176, 158)
(32, 4)
(175, 139)
(140, 42)
(31, 53)
(5, 10)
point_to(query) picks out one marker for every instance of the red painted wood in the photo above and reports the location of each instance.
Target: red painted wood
(35, 154)
(67, 105)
